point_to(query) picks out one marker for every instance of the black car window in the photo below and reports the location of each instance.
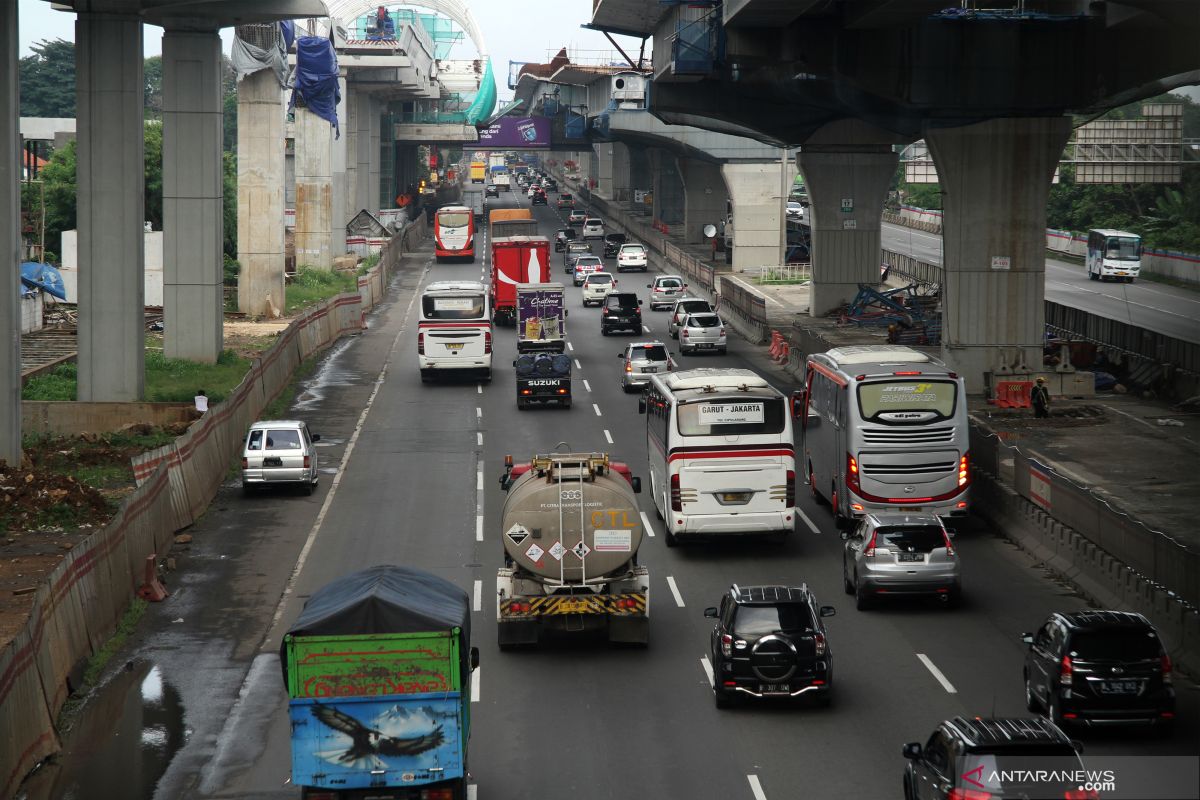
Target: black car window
(937, 753)
(623, 301)
(648, 352)
(705, 321)
(910, 538)
(1042, 639)
(753, 621)
(1119, 644)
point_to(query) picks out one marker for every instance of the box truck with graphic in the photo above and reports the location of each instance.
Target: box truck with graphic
(516, 260)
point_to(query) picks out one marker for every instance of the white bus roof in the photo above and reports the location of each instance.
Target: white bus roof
(1110, 232)
(453, 208)
(716, 378)
(455, 286)
(878, 354)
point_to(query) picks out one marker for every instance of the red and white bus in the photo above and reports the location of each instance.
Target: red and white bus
(720, 452)
(454, 233)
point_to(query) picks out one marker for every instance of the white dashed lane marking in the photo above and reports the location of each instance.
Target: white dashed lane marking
(587, 385)
(608, 436)
(597, 409)
(675, 591)
(937, 673)
(646, 524)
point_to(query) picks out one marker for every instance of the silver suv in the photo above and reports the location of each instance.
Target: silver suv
(643, 359)
(683, 307)
(893, 553)
(279, 451)
(702, 333)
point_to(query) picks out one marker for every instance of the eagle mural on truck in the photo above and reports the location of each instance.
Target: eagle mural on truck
(385, 739)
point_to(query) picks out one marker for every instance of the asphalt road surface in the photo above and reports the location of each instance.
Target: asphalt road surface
(1154, 306)
(403, 464)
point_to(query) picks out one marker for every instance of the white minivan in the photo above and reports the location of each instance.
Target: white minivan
(593, 228)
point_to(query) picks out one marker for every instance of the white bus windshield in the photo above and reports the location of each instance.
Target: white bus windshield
(731, 416)
(453, 219)
(878, 400)
(1121, 249)
(462, 307)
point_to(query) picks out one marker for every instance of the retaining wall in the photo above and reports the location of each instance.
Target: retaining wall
(77, 607)
(67, 418)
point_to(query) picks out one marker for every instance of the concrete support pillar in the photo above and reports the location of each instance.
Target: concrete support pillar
(110, 178)
(374, 124)
(612, 171)
(668, 189)
(10, 240)
(847, 168)
(338, 215)
(314, 190)
(260, 193)
(350, 134)
(358, 154)
(703, 197)
(995, 179)
(757, 194)
(193, 196)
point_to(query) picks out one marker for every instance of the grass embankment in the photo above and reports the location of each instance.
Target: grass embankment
(168, 380)
(311, 286)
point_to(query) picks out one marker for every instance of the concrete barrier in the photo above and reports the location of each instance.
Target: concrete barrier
(78, 606)
(67, 418)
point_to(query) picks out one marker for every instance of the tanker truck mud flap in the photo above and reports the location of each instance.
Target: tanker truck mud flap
(632, 628)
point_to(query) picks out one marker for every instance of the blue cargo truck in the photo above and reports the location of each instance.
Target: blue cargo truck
(378, 671)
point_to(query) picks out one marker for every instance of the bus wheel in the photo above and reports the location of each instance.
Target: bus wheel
(812, 487)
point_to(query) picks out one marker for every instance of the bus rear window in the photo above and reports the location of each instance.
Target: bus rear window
(731, 417)
(880, 401)
(453, 219)
(463, 307)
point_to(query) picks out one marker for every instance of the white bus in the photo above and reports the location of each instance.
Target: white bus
(454, 335)
(885, 428)
(1113, 254)
(721, 455)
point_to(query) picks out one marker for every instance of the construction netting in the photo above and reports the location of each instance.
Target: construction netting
(485, 98)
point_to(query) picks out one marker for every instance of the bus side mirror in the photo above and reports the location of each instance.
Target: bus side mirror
(636, 483)
(641, 405)
(798, 398)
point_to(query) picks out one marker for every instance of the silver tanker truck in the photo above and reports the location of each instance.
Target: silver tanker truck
(571, 531)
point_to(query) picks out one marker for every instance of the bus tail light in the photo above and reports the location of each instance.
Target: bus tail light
(487, 343)
(676, 494)
(964, 469)
(852, 481)
(790, 497)
(420, 344)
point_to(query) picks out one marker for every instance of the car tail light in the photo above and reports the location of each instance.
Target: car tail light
(722, 332)
(852, 473)
(308, 462)
(727, 645)
(790, 497)
(628, 365)
(487, 342)
(949, 546)
(421, 344)
(684, 331)
(245, 463)
(1166, 668)
(964, 472)
(869, 550)
(676, 494)
(434, 794)
(819, 644)
(1065, 671)
(968, 794)
(1081, 794)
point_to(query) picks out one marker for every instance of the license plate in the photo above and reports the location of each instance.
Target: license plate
(776, 688)
(1119, 687)
(911, 557)
(454, 347)
(734, 497)
(272, 462)
(704, 345)
(572, 606)
(649, 369)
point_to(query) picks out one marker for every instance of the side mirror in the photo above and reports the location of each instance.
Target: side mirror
(798, 401)
(636, 482)
(639, 302)
(845, 535)
(649, 286)
(474, 658)
(566, 312)
(620, 355)
(514, 363)
(316, 437)
(711, 612)
(641, 405)
(1027, 638)
(912, 751)
(828, 611)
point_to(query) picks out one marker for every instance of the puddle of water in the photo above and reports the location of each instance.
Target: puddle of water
(329, 374)
(134, 719)
(327, 470)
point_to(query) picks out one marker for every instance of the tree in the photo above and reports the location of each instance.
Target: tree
(230, 209)
(59, 178)
(153, 138)
(48, 80)
(152, 70)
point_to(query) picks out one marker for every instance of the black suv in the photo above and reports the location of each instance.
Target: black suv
(969, 758)
(621, 310)
(612, 243)
(769, 641)
(1099, 667)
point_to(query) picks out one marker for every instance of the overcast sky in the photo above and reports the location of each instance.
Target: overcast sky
(524, 31)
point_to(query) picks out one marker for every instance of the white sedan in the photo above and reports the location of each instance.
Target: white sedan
(597, 286)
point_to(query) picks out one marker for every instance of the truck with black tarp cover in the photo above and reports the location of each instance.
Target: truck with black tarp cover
(378, 670)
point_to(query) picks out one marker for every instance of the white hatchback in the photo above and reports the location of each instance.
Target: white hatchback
(597, 286)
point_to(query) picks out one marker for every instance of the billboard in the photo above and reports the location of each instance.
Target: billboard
(509, 132)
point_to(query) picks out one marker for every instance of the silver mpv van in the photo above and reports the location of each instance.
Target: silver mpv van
(279, 452)
(893, 553)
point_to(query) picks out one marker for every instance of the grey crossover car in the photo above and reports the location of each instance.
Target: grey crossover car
(893, 553)
(643, 359)
(279, 451)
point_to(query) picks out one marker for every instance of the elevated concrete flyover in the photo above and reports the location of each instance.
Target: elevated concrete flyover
(993, 91)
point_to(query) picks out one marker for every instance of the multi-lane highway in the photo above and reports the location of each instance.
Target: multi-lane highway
(1154, 306)
(410, 478)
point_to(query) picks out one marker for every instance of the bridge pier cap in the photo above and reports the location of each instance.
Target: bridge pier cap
(995, 179)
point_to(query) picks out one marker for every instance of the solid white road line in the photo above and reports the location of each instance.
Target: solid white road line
(704, 662)
(608, 436)
(475, 685)
(337, 479)
(571, 347)
(477, 598)
(937, 673)
(812, 527)
(756, 788)
(587, 385)
(597, 409)
(646, 524)
(479, 527)
(675, 591)
(577, 364)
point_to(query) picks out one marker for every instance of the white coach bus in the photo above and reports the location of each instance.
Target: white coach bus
(885, 428)
(720, 452)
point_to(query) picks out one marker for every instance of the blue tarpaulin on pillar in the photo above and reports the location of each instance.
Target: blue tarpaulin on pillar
(36, 275)
(317, 78)
(288, 29)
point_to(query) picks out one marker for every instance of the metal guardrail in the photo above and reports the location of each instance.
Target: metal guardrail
(1123, 336)
(780, 273)
(1158, 557)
